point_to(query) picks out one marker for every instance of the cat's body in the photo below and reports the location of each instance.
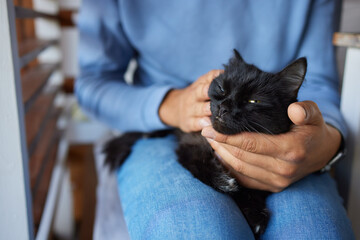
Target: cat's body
(243, 98)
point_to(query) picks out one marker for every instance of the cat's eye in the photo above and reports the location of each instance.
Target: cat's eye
(221, 89)
(254, 101)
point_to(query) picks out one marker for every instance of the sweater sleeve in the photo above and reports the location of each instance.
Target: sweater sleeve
(322, 84)
(104, 54)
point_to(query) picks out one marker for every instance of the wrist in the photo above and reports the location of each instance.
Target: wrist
(338, 148)
(168, 110)
(335, 137)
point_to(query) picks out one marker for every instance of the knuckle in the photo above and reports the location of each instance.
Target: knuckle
(185, 128)
(249, 145)
(238, 153)
(220, 137)
(310, 105)
(189, 126)
(195, 125)
(204, 90)
(239, 167)
(199, 90)
(282, 183)
(204, 108)
(197, 110)
(288, 172)
(213, 72)
(297, 156)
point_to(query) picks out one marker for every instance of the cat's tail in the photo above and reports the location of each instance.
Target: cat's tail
(118, 149)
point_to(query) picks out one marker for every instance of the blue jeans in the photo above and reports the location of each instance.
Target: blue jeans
(162, 200)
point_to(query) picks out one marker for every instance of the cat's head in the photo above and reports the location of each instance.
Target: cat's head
(244, 98)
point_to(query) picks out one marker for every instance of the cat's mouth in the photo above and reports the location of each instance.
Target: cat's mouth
(220, 125)
(223, 125)
(219, 119)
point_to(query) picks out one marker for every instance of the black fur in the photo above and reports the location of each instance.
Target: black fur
(243, 98)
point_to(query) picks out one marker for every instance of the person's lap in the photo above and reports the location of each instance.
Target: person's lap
(162, 200)
(308, 209)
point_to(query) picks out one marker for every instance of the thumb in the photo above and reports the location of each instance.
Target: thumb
(305, 113)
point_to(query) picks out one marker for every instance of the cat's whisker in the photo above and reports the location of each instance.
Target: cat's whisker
(254, 130)
(265, 135)
(267, 130)
(249, 129)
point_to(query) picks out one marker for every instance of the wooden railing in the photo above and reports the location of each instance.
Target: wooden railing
(29, 49)
(42, 134)
(22, 12)
(38, 114)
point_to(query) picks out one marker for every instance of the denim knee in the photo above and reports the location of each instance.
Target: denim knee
(163, 200)
(309, 209)
(200, 218)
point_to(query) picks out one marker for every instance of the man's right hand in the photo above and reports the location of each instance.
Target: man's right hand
(189, 108)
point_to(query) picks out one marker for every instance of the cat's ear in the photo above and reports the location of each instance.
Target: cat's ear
(238, 56)
(294, 74)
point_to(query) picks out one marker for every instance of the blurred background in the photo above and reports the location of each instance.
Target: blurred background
(61, 143)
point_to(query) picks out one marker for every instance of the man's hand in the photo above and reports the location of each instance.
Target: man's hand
(189, 108)
(273, 162)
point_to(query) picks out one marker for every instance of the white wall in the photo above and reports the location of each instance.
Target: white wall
(70, 4)
(350, 107)
(350, 22)
(15, 203)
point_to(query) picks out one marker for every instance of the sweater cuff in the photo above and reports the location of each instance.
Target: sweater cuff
(151, 108)
(332, 116)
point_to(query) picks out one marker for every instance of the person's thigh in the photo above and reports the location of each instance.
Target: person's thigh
(308, 209)
(162, 200)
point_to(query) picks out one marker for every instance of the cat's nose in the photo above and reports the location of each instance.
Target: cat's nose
(222, 111)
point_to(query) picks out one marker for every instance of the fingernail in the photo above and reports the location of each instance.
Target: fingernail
(304, 113)
(204, 122)
(208, 133)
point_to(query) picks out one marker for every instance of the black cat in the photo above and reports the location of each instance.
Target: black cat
(243, 98)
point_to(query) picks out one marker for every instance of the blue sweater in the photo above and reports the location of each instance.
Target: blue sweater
(174, 42)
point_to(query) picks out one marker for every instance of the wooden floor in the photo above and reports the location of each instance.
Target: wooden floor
(83, 178)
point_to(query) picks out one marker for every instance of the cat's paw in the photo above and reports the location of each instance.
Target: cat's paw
(225, 183)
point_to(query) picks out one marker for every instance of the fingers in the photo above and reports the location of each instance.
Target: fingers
(254, 184)
(289, 147)
(303, 113)
(204, 83)
(201, 109)
(260, 174)
(197, 123)
(208, 77)
(252, 142)
(201, 93)
(192, 104)
(271, 164)
(248, 181)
